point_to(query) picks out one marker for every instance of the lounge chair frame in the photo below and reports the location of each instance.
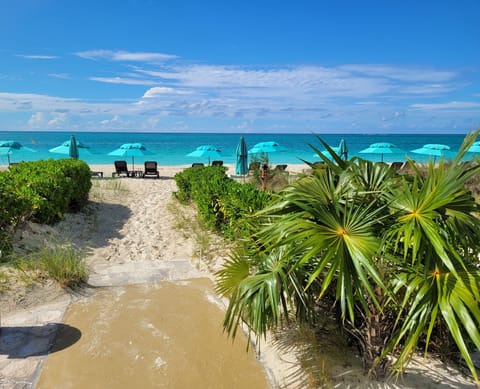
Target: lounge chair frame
(151, 169)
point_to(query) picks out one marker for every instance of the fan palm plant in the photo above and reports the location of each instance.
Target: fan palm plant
(398, 252)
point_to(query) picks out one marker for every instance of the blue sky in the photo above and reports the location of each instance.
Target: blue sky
(324, 66)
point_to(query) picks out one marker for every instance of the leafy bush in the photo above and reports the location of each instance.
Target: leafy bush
(222, 203)
(239, 202)
(41, 191)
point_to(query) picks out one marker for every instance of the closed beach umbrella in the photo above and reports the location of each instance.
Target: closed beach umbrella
(382, 148)
(131, 150)
(343, 150)
(241, 167)
(206, 151)
(68, 148)
(73, 149)
(8, 147)
(435, 150)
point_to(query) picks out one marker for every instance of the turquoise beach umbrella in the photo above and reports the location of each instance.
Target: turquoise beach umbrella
(266, 147)
(382, 148)
(8, 147)
(68, 147)
(343, 150)
(241, 167)
(131, 150)
(206, 151)
(327, 154)
(435, 150)
(475, 148)
(73, 149)
(262, 149)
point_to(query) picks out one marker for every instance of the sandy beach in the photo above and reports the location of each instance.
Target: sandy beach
(133, 232)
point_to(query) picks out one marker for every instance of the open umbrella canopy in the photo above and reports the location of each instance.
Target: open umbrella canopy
(435, 150)
(265, 148)
(382, 148)
(8, 147)
(475, 148)
(206, 151)
(64, 148)
(241, 166)
(131, 150)
(327, 154)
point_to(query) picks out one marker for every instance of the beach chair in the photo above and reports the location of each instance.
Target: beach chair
(397, 165)
(198, 164)
(217, 163)
(281, 167)
(151, 169)
(121, 169)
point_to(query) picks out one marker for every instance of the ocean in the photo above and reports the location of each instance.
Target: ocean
(171, 148)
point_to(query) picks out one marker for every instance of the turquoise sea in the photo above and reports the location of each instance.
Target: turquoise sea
(171, 148)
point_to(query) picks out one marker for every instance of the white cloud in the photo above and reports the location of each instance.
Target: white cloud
(452, 105)
(37, 56)
(313, 96)
(57, 121)
(63, 76)
(121, 80)
(36, 120)
(160, 91)
(125, 56)
(406, 74)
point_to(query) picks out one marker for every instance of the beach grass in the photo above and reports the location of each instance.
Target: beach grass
(191, 226)
(97, 192)
(63, 264)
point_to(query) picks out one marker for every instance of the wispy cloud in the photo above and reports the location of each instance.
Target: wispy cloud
(452, 105)
(63, 76)
(124, 81)
(125, 56)
(350, 96)
(161, 91)
(37, 56)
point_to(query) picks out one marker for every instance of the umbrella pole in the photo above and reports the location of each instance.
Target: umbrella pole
(8, 157)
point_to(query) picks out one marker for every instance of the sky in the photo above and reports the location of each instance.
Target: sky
(323, 66)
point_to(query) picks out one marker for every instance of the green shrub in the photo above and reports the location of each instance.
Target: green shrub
(52, 187)
(41, 191)
(222, 203)
(236, 205)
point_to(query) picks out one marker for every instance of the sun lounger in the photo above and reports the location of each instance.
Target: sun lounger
(151, 169)
(121, 169)
(198, 165)
(217, 163)
(281, 167)
(397, 165)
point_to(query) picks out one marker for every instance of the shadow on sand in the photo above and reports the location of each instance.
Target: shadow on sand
(29, 341)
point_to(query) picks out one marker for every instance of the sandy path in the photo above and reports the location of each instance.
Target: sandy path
(146, 225)
(135, 238)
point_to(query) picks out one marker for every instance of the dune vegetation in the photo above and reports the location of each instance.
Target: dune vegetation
(394, 254)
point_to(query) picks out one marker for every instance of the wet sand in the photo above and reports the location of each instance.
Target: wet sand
(161, 335)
